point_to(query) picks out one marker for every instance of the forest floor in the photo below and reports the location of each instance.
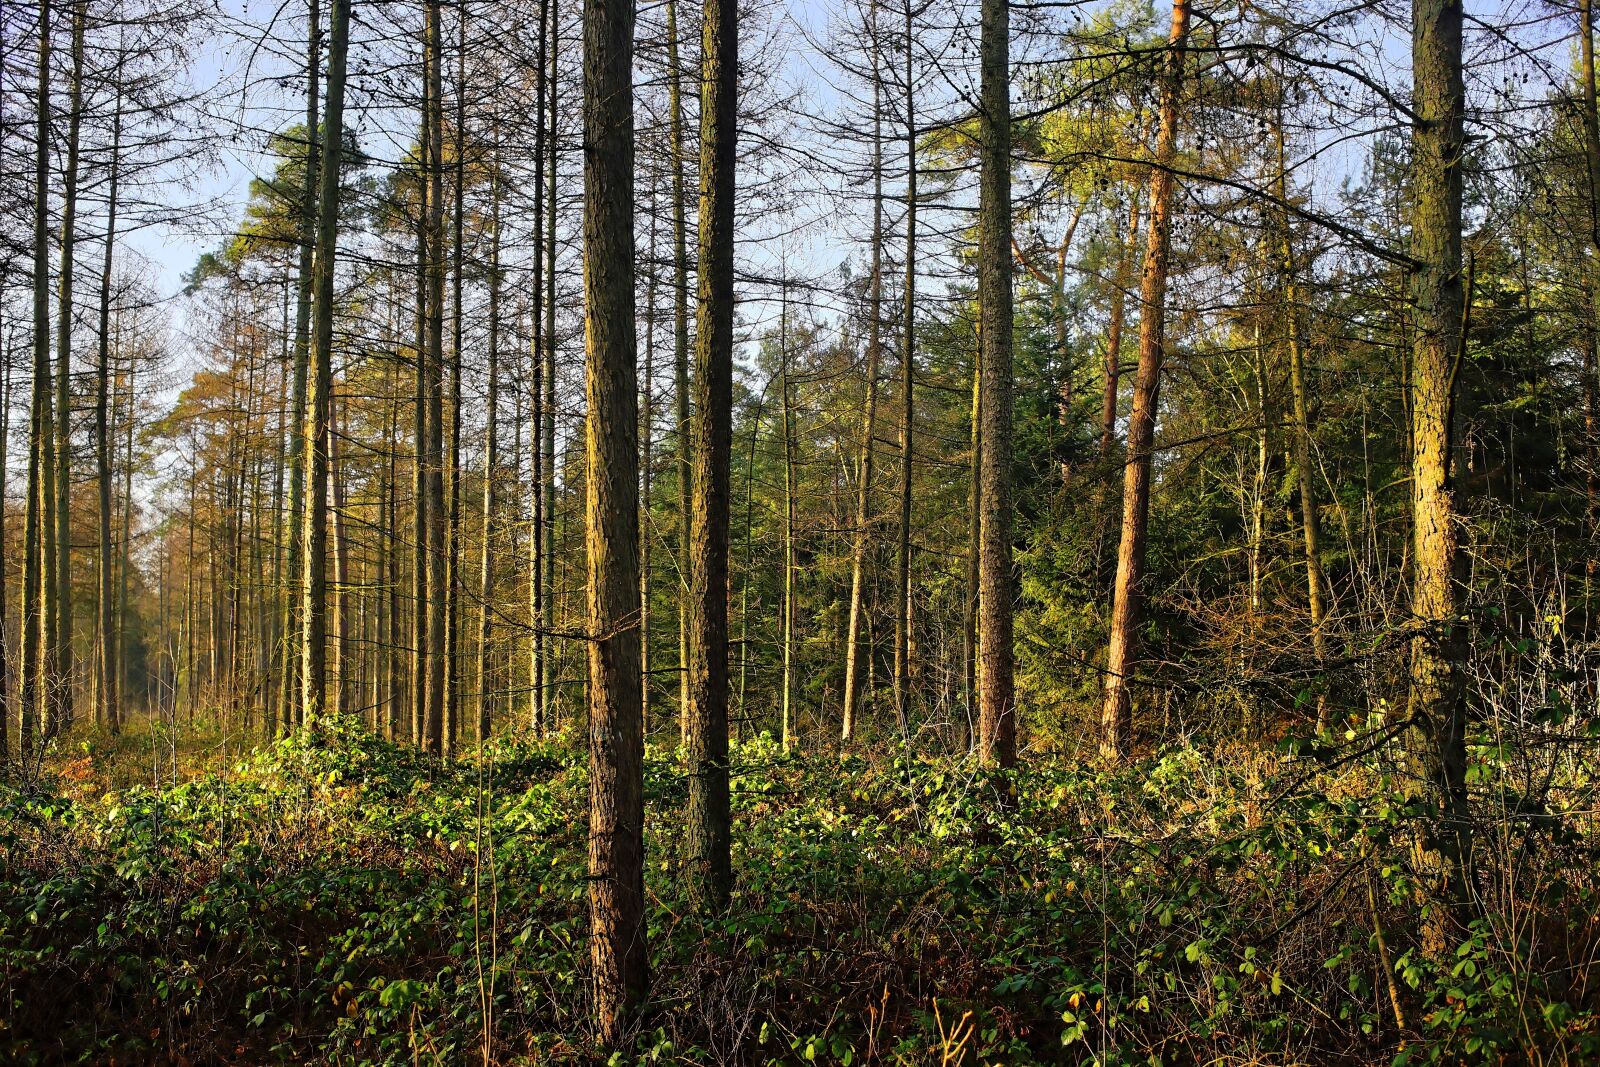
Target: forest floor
(339, 899)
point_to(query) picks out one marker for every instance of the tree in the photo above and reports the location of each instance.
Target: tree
(1127, 594)
(997, 729)
(1440, 297)
(616, 727)
(709, 863)
(314, 585)
(35, 632)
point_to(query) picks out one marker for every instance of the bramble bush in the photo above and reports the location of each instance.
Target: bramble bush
(336, 898)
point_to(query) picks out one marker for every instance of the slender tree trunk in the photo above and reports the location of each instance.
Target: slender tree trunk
(1437, 744)
(34, 627)
(487, 660)
(391, 558)
(536, 540)
(997, 727)
(59, 604)
(109, 713)
(908, 341)
(292, 636)
(314, 605)
(616, 731)
(858, 658)
(785, 386)
(680, 351)
(1311, 535)
(433, 388)
(646, 432)
(344, 668)
(1591, 386)
(1127, 594)
(452, 563)
(707, 832)
(546, 689)
(969, 615)
(119, 650)
(419, 479)
(678, 154)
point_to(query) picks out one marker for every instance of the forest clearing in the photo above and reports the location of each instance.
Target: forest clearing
(926, 532)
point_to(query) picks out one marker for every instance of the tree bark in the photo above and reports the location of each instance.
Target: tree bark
(858, 659)
(58, 605)
(314, 587)
(291, 638)
(616, 734)
(787, 414)
(1310, 533)
(433, 551)
(908, 342)
(680, 351)
(707, 832)
(1127, 593)
(109, 713)
(487, 692)
(32, 681)
(997, 727)
(1436, 742)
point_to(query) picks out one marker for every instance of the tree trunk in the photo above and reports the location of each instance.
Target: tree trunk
(1310, 534)
(616, 734)
(997, 727)
(1591, 387)
(292, 636)
(787, 412)
(487, 692)
(680, 352)
(32, 682)
(546, 689)
(59, 603)
(314, 587)
(908, 343)
(452, 563)
(707, 832)
(646, 432)
(433, 551)
(536, 590)
(109, 712)
(1437, 746)
(1127, 594)
(858, 658)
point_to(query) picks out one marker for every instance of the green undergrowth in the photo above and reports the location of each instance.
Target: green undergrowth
(338, 899)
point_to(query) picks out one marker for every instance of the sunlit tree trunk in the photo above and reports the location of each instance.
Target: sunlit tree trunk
(1127, 593)
(314, 586)
(487, 658)
(34, 631)
(546, 689)
(58, 602)
(292, 637)
(536, 539)
(908, 349)
(452, 466)
(858, 658)
(997, 725)
(787, 413)
(1437, 745)
(1310, 533)
(109, 712)
(708, 862)
(616, 731)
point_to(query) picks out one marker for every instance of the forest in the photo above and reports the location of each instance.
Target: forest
(924, 532)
